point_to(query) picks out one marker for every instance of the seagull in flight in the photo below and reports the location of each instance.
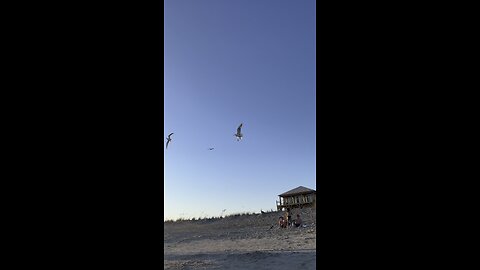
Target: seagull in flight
(168, 140)
(211, 149)
(239, 134)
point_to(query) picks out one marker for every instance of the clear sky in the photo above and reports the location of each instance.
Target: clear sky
(232, 62)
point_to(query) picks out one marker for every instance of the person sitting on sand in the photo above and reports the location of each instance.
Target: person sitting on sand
(282, 223)
(298, 221)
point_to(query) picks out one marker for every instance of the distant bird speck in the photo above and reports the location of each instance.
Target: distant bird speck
(211, 149)
(168, 140)
(239, 134)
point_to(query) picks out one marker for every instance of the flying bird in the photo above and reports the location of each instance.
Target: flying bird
(211, 149)
(239, 134)
(168, 140)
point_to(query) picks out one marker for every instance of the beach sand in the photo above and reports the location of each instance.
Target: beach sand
(242, 242)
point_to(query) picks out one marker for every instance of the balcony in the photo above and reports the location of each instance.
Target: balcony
(288, 203)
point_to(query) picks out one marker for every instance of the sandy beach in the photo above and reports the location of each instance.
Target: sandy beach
(241, 242)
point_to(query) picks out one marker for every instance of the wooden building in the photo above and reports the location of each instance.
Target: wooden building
(297, 198)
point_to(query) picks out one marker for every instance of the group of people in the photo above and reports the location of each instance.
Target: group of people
(287, 221)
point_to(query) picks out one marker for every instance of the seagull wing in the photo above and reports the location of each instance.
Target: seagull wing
(239, 129)
(167, 144)
(170, 135)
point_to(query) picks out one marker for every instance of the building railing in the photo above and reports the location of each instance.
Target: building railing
(292, 203)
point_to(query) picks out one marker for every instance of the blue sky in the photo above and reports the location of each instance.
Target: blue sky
(232, 62)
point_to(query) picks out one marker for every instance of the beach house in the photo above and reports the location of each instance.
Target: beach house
(299, 197)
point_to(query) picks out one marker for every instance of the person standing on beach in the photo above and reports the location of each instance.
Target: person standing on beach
(288, 217)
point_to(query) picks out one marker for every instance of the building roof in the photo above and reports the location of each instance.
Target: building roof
(297, 191)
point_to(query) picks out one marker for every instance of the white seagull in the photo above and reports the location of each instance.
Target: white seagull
(168, 140)
(239, 134)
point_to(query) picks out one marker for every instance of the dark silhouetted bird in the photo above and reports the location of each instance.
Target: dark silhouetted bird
(168, 140)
